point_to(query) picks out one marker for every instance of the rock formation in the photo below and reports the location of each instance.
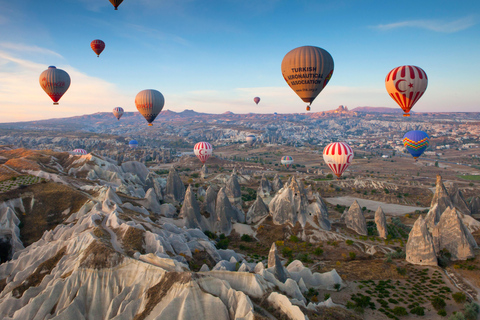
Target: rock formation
(275, 264)
(355, 220)
(459, 201)
(257, 211)
(289, 204)
(223, 213)
(175, 189)
(208, 205)
(201, 193)
(432, 217)
(234, 193)
(151, 202)
(136, 168)
(319, 211)
(152, 181)
(381, 223)
(475, 205)
(204, 171)
(276, 183)
(265, 189)
(441, 197)
(420, 247)
(190, 211)
(451, 234)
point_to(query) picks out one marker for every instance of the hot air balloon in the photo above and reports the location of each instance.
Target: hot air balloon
(286, 161)
(256, 99)
(133, 144)
(80, 152)
(416, 142)
(251, 139)
(116, 3)
(203, 151)
(54, 82)
(149, 103)
(338, 156)
(406, 84)
(307, 71)
(118, 112)
(97, 46)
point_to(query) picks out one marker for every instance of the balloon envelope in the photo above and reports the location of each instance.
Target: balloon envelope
(97, 46)
(80, 152)
(251, 139)
(116, 3)
(149, 103)
(54, 82)
(406, 85)
(203, 151)
(416, 142)
(286, 161)
(118, 112)
(256, 99)
(133, 144)
(338, 156)
(307, 71)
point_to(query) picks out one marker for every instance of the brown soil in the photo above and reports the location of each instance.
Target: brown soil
(132, 241)
(99, 255)
(37, 276)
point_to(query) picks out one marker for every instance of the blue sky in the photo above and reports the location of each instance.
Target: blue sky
(215, 56)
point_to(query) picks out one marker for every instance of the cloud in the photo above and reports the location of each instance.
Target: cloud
(22, 98)
(433, 25)
(26, 48)
(157, 34)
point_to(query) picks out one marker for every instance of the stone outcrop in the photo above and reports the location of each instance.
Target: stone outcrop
(355, 220)
(432, 217)
(190, 211)
(151, 202)
(234, 193)
(136, 168)
(201, 193)
(175, 189)
(459, 201)
(276, 183)
(204, 171)
(275, 264)
(420, 247)
(223, 213)
(451, 234)
(441, 197)
(152, 181)
(381, 223)
(319, 211)
(265, 188)
(289, 204)
(208, 205)
(257, 211)
(475, 205)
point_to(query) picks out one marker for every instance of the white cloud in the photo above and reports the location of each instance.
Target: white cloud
(433, 25)
(26, 48)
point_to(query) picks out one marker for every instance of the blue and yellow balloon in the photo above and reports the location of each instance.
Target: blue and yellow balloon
(416, 142)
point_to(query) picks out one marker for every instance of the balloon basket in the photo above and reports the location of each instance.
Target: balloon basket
(406, 114)
(55, 103)
(150, 125)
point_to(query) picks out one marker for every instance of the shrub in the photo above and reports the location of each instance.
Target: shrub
(349, 242)
(459, 297)
(337, 286)
(400, 311)
(294, 238)
(318, 251)
(329, 176)
(457, 316)
(402, 271)
(223, 243)
(352, 255)
(209, 234)
(419, 311)
(442, 313)
(326, 296)
(287, 252)
(246, 238)
(438, 303)
(471, 311)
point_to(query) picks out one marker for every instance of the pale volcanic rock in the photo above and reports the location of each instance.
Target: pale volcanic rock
(441, 197)
(208, 204)
(285, 306)
(276, 183)
(459, 201)
(9, 230)
(109, 193)
(381, 223)
(223, 213)
(157, 183)
(201, 193)
(257, 211)
(204, 171)
(264, 189)
(433, 217)
(319, 210)
(275, 264)
(151, 202)
(452, 235)
(190, 211)
(420, 247)
(136, 168)
(168, 210)
(234, 193)
(175, 189)
(289, 204)
(475, 205)
(355, 220)
(327, 280)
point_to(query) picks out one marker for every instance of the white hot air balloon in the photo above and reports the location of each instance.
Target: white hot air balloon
(203, 151)
(54, 82)
(118, 112)
(251, 139)
(149, 103)
(338, 156)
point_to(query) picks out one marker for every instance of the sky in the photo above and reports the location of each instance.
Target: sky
(216, 55)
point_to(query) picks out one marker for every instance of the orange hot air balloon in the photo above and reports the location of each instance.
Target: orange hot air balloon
(54, 82)
(149, 103)
(116, 3)
(406, 84)
(97, 46)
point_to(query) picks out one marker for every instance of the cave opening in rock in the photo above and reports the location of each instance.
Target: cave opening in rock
(5, 249)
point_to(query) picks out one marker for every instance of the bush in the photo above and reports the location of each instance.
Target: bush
(349, 242)
(457, 316)
(459, 297)
(442, 313)
(438, 303)
(246, 238)
(318, 251)
(352, 255)
(471, 311)
(294, 238)
(287, 252)
(419, 311)
(209, 234)
(402, 271)
(337, 286)
(326, 296)
(400, 311)
(329, 176)
(223, 243)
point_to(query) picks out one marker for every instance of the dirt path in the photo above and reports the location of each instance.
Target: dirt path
(388, 208)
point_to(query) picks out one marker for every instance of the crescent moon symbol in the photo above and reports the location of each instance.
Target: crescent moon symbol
(200, 152)
(398, 83)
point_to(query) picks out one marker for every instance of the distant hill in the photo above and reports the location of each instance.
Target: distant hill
(377, 110)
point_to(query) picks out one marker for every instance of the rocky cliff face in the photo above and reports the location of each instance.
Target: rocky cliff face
(475, 205)
(175, 189)
(234, 193)
(432, 217)
(451, 234)
(276, 183)
(420, 248)
(223, 213)
(257, 211)
(289, 204)
(318, 209)
(441, 197)
(275, 264)
(459, 201)
(355, 220)
(381, 223)
(190, 212)
(210, 200)
(265, 189)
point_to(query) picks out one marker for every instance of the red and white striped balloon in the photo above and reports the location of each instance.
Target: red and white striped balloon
(406, 85)
(203, 151)
(338, 156)
(80, 152)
